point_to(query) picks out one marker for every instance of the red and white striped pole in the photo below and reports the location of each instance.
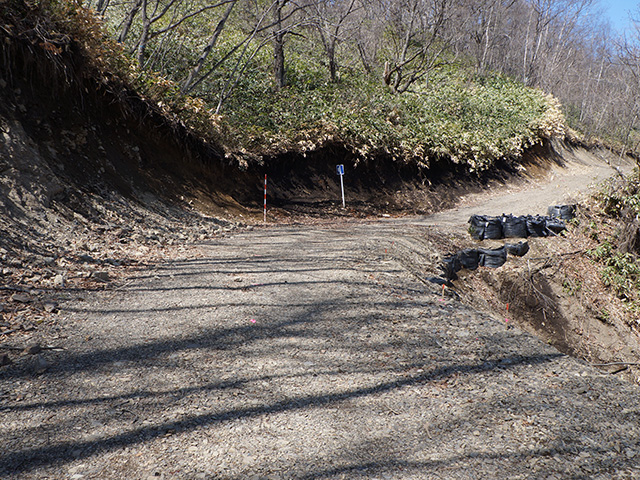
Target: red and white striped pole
(265, 198)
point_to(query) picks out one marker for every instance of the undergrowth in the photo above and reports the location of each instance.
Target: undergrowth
(453, 115)
(618, 246)
(469, 120)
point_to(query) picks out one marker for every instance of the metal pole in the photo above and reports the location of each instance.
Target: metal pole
(265, 198)
(342, 188)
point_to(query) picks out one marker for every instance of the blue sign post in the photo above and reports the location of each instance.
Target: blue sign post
(340, 171)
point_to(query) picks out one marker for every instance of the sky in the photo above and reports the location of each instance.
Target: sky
(618, 12)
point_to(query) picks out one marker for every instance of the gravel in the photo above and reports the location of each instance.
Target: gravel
(305, 352)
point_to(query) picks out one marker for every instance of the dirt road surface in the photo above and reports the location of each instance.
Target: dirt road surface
(580, 173)
(310, 352)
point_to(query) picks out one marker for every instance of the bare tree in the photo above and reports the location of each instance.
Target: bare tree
(485, 23)
(279, 32)
(155, 19)
(331, 21)
(126, 25)
(213, 40)
(418, 44)
(629, 58)
(548, 24)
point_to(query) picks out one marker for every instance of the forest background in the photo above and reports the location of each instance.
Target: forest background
(471, 81)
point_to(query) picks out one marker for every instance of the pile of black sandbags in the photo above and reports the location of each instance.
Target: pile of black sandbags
(485, 227)
(472, 258)
(564, 212)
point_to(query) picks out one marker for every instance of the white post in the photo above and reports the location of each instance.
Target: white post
(265, 198)
(340, 171)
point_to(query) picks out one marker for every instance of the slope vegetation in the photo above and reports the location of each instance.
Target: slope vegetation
(76, 111)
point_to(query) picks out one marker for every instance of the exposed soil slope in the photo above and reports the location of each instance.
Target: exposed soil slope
(143, 336)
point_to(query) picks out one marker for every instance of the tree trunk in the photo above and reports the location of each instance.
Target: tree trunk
(126, 26)
(525, 58)
(278, 46)
(101, 7)
(333, 66)
(207, 50)
(278, 61)
(487, 42)
(363, 58)
(144, 36)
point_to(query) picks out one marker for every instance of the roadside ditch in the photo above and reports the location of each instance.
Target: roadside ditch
(555, 292)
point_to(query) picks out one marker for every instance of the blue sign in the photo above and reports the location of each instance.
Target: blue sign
(340, 169)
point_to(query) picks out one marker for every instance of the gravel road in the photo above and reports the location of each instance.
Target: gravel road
(306, 352)
(579, 173)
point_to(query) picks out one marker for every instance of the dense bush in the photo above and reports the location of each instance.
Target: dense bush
(451, 114)
(618, 253)
(472, 121)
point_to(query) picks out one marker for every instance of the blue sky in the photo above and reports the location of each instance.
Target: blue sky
(618, 12)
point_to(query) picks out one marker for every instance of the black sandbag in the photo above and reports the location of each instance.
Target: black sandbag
(514, 227)
(493, 228)
(440, 281)
(493, 258)
(518, 249)
(565, 212)
(536, 226)
(476, 226)
(469, 258)
(450, 266)
(554, 225)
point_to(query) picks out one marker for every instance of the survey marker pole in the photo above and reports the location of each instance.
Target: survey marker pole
(340, 171)
(265, 198)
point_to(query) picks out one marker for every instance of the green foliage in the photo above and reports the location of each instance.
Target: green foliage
(571, 286)
(604, 316)
(591, 230)
(615, 199)
(621, 271)
(452, 115)
(472, 121)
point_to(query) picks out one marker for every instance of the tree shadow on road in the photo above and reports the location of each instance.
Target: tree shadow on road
(341, 349)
